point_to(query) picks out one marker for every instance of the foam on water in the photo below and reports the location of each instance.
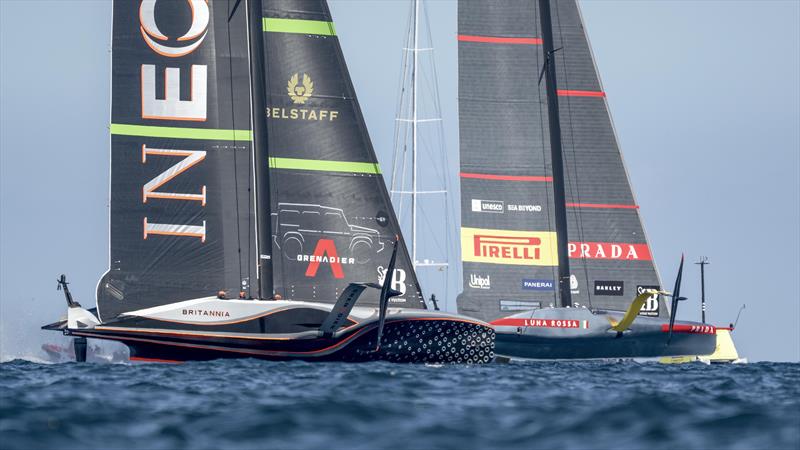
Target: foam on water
(256, 404)
(24, 358)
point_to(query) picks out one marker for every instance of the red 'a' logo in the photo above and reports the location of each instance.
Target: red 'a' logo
(325, 252)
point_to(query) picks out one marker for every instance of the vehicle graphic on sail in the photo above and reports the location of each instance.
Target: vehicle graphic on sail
(297, 226)
(219, 135)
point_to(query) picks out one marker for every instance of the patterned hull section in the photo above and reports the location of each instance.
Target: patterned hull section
(417, 340)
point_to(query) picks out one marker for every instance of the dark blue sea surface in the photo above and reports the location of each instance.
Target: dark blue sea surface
(250, 404)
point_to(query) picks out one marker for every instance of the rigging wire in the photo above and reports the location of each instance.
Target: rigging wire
(274, 188)
(549, 200)
(403, 104)
(573, 184)
(430, 150)
(402, 79)
(235, 159)
(442, 144)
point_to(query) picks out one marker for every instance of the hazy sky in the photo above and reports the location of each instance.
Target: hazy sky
(705, 97)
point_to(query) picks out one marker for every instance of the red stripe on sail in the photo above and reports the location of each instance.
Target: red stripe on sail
(572, 93)
(499, 40)
(601, 205)
(488, 176)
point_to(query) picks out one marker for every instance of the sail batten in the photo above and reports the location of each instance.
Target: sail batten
(500, 39)
(325, 166)
(180, 133)
(298, 26)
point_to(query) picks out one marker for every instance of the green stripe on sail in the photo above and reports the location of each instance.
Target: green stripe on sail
(211, 134)
(324, 166)
(298, 26)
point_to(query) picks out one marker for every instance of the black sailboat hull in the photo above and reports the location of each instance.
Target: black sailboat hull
(408, 340)
(643, 345)
(580, 333)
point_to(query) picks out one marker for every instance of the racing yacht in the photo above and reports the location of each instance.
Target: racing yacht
(248, 212)
(554, 252)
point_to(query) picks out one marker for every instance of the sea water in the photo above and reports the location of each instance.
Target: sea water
(250, 404)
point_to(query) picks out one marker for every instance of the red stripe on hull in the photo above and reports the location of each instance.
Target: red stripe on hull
(499, 40)
(488, 176)
(154, 360)
(573, 93)
(691, 329)
(541, 323)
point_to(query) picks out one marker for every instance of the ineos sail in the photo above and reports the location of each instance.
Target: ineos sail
(249, 217)
(508, 239)
(181, 207)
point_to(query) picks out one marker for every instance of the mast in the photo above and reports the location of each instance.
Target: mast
(504, 139)
(559, 195)
(412, 113)
(260, 152)
(702, 263)
(414, 139)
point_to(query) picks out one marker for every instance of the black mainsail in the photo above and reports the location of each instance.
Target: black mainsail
(333, 222)
(182, 178)
(181, 209)
(249, 216)
(508, 237)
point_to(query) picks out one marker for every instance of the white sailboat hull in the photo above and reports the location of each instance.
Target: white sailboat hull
(211, 328)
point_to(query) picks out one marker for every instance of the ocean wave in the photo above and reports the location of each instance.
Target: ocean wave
(256, 404)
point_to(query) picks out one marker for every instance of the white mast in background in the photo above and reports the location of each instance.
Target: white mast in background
(414, 137)
(405, 188)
